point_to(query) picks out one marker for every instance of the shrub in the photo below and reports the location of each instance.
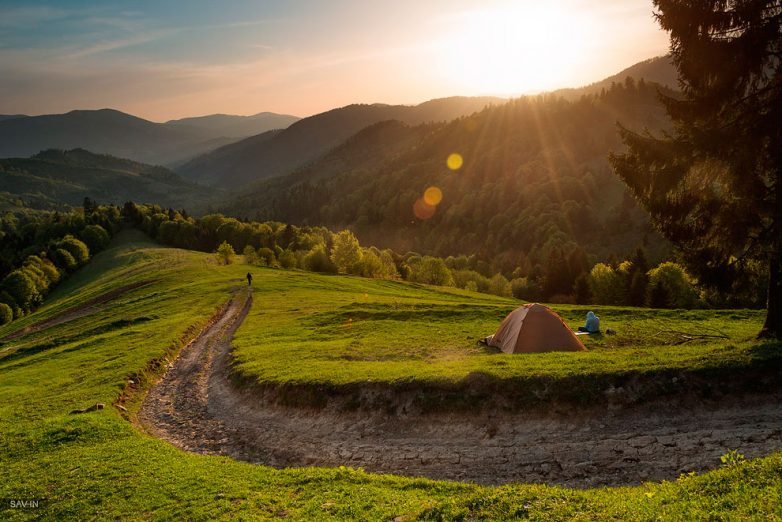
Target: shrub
(21, 288)
(96, 237)
(346, 252)
(499, 285)
(250, 255)
(65, 260)
(607, 285)
(6, 314)
(525, 288)
(462, 278)
(225, 253)
(266, 256)
(432, 271)
(317, 260)
(287, 259)
(79, 251)
(677, 284)
(369, 265)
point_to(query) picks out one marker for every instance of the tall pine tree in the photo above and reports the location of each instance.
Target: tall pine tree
(712, 186)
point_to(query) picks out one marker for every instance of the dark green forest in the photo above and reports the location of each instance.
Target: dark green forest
(534, 183)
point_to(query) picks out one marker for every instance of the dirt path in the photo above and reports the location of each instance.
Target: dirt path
(197, 408)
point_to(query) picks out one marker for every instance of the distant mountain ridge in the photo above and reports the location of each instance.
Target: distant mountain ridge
(109, 131)
(231, 126)
(267, 155)
(57, 177)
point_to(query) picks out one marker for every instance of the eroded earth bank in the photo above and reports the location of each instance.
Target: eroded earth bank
(198, 408)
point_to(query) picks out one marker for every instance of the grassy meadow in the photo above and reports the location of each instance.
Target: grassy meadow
(332, 331)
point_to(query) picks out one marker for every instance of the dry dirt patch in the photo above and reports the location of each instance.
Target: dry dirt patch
(197, 407)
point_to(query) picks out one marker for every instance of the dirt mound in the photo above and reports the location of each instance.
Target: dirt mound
(197, 407)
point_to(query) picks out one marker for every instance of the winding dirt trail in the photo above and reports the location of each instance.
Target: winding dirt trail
(196, 407)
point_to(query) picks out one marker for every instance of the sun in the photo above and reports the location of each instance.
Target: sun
(515, 48)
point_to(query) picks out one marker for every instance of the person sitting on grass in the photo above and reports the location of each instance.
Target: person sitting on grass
(592, 324)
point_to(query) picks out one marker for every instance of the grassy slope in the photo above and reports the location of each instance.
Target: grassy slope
(345, 331)
(99, 465)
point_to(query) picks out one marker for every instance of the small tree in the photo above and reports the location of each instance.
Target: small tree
(21, 288)
(250, 255)
(225, 253)
(77, 248)
(346, 252)
(678, 285)
(96, 237)
(499, 285)
(65, 260)
(266, 256)
(317, 260)
(6, 314)
(287, 259)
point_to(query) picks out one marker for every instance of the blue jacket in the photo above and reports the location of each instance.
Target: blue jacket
(593, 323)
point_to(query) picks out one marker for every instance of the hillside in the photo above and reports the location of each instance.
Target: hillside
(659, 70)
(101, 464)
(269, 155)
(231, 126)
(56, 177)
(535, 175)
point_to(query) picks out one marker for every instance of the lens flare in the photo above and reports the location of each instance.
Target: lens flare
(422, 209)
(433, 196)
(454, 161)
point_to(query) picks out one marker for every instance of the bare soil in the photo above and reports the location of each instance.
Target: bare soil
(198, 408)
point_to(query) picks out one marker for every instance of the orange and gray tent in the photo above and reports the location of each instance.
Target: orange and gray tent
(534, 328)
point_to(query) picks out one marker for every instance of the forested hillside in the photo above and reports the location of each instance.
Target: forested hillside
(56, 177)
(274, 154)
(534, 185)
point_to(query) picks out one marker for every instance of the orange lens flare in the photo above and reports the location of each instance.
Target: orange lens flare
(433, 196)
(423, 210)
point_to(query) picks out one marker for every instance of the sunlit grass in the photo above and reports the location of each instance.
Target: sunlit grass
(98, 465)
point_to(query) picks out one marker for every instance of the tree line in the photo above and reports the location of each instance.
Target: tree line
(39, 249)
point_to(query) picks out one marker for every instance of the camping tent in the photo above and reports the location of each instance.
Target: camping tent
(534, 328)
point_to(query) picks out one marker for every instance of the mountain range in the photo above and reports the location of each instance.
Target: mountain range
(276, 153)
(54, 177)
(109, 131)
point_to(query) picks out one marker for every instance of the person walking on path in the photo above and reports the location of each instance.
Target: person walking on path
(249, 279)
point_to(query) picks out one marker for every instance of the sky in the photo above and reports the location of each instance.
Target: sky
(169, 59)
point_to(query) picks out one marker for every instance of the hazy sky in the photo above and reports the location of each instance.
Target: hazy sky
(170, 59)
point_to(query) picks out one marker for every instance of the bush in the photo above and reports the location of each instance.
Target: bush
(287, 259)
(21, 288)
(431, 271)
(525, 288)
(65, 260)
(250, 255)
(6, 314)
(462, 278)
(266, 256)
(79, 251)
(677, 285)
(607, 285)
(346, 252)
(369, 265)
(317, 260)
(96, 237)
(499, 285)
(225, 253)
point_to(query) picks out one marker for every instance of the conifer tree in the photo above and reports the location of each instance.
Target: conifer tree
(712, 186)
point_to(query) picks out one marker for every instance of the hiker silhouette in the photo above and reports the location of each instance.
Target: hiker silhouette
(249, 279)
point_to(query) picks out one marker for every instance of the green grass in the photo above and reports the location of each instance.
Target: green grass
(100, 466)
(336, 333)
